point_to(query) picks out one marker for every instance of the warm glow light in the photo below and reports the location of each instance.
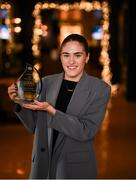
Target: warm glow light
(37, 66)
(17, 20)
(9, 29)
(86, 6)
(17, 29)
(65, 30)
(34, 47)
(8, 23)
(20, 171)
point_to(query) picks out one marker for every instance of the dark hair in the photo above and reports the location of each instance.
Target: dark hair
(76, 37)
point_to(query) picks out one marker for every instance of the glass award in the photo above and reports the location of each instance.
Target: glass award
(28, 85)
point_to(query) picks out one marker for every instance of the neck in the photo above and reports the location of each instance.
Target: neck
(67, 79)
(74, 79)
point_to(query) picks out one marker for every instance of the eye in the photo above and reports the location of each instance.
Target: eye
(78, 55)
(65, 55)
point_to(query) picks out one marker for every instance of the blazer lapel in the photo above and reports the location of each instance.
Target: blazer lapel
(51, 97)
(80, 96)
(77, 102)
(53, 89)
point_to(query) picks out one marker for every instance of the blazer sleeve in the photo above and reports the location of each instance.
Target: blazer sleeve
(28, 118)
(83, 127)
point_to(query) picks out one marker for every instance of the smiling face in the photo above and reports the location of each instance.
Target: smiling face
(73, 58)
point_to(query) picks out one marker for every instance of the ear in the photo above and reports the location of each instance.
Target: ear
(87, 58)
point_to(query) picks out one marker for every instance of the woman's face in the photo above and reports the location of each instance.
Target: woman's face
(73, 58)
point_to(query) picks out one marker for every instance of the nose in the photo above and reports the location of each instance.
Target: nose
(71, 60)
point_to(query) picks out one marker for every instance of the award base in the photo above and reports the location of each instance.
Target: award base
(26, 98)
(23, 101)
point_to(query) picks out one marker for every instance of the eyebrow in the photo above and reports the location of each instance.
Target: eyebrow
(73, 53)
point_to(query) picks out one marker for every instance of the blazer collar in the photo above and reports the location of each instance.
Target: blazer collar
(53, 89)
(80, 96)
(51, 97)
(77, 103)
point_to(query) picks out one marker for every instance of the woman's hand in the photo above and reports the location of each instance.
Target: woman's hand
(12, 92)
(42, 106)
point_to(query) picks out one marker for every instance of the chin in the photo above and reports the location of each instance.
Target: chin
(72, 75)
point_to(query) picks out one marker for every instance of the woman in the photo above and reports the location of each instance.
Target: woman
(66, 117)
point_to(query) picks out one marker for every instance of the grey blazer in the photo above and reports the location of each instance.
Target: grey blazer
(73, 155)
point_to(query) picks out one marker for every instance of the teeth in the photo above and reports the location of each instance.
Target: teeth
(71, 67)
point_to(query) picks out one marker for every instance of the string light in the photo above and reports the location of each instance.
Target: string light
(9, 23)
(86, 6)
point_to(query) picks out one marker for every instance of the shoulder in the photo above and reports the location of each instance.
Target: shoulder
(49, 80)
(98, 85)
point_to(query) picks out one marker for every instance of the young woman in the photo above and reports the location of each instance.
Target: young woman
(66, 117)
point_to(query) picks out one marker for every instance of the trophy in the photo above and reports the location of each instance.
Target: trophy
(28, 85)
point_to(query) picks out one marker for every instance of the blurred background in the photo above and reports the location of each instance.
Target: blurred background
(31, 32)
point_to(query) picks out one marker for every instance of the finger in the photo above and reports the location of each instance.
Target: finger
(12, 96)
(12, 92)
(30, 106)
(12, 89)
(13, 85)
(41, 105)
(46, 104)
(36, 102)
(26, 106)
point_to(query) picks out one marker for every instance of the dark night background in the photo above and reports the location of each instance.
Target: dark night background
(115, 145)
(122, 52)
(24, 10)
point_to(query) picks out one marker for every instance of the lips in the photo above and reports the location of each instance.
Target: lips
(72, 67)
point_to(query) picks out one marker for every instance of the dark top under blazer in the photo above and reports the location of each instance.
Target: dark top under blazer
(63, 99)
(73, 155)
